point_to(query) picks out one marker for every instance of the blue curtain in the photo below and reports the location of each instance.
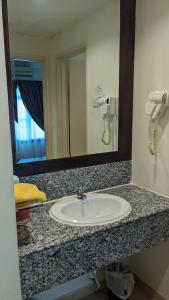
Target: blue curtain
(32, 97)
(14, 85)
(30, 138)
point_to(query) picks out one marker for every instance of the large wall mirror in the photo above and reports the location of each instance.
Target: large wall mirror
(66, 62)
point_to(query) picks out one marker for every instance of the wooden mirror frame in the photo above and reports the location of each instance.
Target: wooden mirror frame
(126, 77)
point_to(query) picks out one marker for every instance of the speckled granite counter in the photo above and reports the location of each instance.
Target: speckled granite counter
(52, 253)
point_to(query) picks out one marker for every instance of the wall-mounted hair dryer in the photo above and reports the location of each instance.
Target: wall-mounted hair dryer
(156, 105)
(107, 106)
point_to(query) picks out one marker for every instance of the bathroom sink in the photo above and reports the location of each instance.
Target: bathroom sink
(95, 209)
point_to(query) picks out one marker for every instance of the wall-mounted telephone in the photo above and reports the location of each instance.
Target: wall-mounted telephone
(156, 105)
(107, 106)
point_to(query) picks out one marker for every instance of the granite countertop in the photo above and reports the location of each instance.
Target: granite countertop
(42, 232)
(52, 253)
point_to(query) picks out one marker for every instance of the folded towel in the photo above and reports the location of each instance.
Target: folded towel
(26, 192)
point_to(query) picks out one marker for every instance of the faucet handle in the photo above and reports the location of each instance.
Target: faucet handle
(80, 193)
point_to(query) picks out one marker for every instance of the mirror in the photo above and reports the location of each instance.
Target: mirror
(65, 75)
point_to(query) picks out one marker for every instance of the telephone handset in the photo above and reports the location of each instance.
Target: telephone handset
(156, 105)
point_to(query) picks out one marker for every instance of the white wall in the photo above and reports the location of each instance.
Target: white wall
(151, 73)
(9, 275)
(100, 34)
(103, 71)
(23, 44)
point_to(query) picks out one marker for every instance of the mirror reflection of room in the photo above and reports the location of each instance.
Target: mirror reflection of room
(27, 79)
(65, 75)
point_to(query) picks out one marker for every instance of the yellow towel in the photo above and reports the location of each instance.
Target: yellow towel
(26, 192)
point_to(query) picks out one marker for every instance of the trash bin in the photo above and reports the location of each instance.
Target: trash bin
(119, 282)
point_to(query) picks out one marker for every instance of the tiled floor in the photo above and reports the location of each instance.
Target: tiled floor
(137, 295)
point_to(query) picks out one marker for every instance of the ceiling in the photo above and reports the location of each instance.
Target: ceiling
(48, 17)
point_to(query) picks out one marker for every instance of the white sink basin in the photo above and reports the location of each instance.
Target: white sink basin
(95, 209)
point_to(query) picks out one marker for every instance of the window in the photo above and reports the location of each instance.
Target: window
(26, 129)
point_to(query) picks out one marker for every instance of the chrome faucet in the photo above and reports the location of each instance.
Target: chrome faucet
(80, 194)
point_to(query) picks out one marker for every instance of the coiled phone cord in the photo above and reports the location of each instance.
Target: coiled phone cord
(153, 137)
(108, 131)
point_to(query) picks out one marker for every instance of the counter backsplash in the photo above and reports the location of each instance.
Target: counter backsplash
(62, 183)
